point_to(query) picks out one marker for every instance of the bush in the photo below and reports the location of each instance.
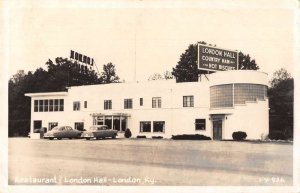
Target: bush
(157, 137)
(190, 137)
(127, 133)
(239, 135)
(277, 136)
(141, 136)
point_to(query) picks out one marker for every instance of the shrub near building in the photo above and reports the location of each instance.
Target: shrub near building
(239, 135)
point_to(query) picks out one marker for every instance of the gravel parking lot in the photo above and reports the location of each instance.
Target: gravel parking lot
(148, 162)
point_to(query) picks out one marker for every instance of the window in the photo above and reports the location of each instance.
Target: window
(51, 105)
(156, 102)
(36, 105)
(107, 104)
(46, 105)
(249, 92)
(159, 126)
(221, 96)
(188, 101)
(51, 125)
(127, 103)
(41, 105)
(76, 106)
(56, 105)
(61, 105)
(145, 126)
(79, 126)
(85, 104)
(141, 102)
(200, 124)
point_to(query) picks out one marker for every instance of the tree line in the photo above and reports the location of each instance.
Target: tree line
(59, 75)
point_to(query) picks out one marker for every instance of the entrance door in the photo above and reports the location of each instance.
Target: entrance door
(217, 129)
(37, 125)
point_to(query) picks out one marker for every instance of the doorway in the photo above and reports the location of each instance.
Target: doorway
(37, 125)
(217, 129)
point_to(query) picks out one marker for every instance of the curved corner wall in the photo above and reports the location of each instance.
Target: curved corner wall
(239, 98)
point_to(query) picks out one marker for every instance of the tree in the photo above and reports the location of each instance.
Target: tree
(109, 73)
(155, 76)
(246, 63)
(164, 76)
(187, 70)
(168, 75)
(59, 75)
(281, 104)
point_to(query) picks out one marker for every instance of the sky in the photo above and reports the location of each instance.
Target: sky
(146, 37)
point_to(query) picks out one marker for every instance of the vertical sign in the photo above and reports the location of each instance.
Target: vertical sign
(216, 59)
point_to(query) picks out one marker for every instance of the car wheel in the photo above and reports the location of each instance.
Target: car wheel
(51, 138)
(87, 138)
(59, 138)
(114, 136)
(97, 138)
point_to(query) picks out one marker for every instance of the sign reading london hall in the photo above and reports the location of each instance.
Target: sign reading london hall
(216, 59)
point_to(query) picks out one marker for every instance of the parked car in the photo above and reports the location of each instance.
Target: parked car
(60, 132)
(99, 132)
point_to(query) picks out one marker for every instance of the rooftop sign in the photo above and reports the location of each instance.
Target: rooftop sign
(81, 58)
(216, 59)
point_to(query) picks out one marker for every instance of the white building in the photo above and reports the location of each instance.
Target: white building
(218, 105)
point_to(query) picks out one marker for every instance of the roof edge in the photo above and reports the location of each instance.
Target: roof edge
(46, 94)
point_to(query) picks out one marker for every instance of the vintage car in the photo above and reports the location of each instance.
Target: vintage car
(99, 132)
(60, 132)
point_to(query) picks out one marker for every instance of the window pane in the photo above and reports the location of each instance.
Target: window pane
(221, 96)
(61, 105)
(51, 125)
(46, 105)
(36, 105)
(55, 104)
(188, 101)
(248, 92)
(107, 104)
(79, 126)
(156, 102)
(145, 126)
(200, 124)
(41, 105)
(141, 101)
(127, 103)
(51, 105)
(158, 126)
(76, 106)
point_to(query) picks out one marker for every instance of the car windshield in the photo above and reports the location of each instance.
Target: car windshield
(93, 128)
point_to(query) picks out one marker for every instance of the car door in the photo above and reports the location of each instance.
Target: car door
(109, 132)
(102, 131)
(61, 132)
(71, 133)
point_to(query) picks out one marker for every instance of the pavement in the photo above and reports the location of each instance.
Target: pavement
(147, 162)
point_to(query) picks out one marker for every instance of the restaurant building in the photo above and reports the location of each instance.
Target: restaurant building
(216, 106)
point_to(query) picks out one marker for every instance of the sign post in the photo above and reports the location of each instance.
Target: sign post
(216, 59)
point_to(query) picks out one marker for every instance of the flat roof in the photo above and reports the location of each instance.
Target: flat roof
(47, 94)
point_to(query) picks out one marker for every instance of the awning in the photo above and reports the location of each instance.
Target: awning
(110, 114)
